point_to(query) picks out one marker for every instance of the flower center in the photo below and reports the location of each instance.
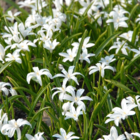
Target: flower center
(74, 115)
(100, 67)
(76, 99)
(117, 20)
(71, 56)
(37, 73)
(16, 124)
(124, 113)
(13, 57)
(68, 75)
(63, 89)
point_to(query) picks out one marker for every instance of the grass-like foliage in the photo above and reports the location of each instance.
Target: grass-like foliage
(70, 70)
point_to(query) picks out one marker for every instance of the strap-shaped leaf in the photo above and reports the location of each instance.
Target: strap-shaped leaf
(5, 66)
(36, 100)
(80, 48)
(118, 84)
(105, 43)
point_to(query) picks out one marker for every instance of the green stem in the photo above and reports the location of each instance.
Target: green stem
(7, 107)
(80, 127)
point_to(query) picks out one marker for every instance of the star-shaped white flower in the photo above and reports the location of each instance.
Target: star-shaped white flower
(64, 136)
(69, 75)
(37, 75)
(101, 68)
(12, 126)
(37, 136)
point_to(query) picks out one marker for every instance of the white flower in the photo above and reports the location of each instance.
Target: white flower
(26, 3)
(23, 31)
(118, 21)
(37, 75)
(74, 113)
(68, 75)
(3, 119)
(31, 19)
(108, 59)
(116, 117)
(121, 113)
(2, 53)
(130, 136)
(58, 14)
(44, 37)
(6, 90)
(97, 13)
(138, 101)
(58, 4)
(136, 51)
(24, 45)
(100, 67)
(85, 55)
(12, 126)
(15, 56)
(37, 136)
(76, 98)
(128, 36)
(50, 45)
(66, 107)
(65, 136)
(85, 44)
(38, 6)
(114, 135)
(12, 16)
(130, 102)
(62, 90)
(120, 46)
(71, 53)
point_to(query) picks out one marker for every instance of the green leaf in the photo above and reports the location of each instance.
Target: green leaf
(38, 60)
(102, 128)
(105, 43)
(36, 100)
(37, 113)
(132, 62)
(11, 99)
(97, 109)
(21, 92)
(135, 83)
(100, 37)
(133, 10)
(69, 38)
(26, 90)
(119, 85)
(135, 34)
(5, 66)
(88, 8)
(80, 48)
(85, 132)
